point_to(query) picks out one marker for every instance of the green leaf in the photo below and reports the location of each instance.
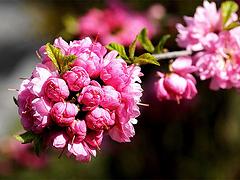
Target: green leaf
(26, 137)
(146, 58)
(15, 100)
(38, 145)
(162, 42)
(55, 55)
(119, 48)
(232, 25)
(132, 48)
(61, 62)
(145, 41)
(227, 8)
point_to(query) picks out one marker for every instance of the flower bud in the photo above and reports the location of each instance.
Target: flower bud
(77, 78)
(78, 129)
(111, 98)
(91, 96)
(56, 89)
(63, 113)
(175, 84)
(99, 119)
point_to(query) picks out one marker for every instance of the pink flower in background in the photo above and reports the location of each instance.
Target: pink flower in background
(22, 155)
(179, 83)
(218, 58)
(207, 20)
(97, 94)
(222, 62)
(117, 24)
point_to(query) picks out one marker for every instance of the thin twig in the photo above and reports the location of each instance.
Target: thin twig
(173, 54)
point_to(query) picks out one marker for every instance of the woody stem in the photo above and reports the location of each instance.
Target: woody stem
(173, 54)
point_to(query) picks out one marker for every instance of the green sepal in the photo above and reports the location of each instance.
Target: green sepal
(161, 43)
(145, 41)
(26, 137)
(119, 48)
(146, 58)
(227, 9)
(232, 25)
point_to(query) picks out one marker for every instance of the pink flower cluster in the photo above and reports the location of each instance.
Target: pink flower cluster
(114, 24)
(73, 110)
(178, 83)
(218, 49)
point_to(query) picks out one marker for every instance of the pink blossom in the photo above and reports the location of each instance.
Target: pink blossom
(178, 83)
(99, 119)
(39, 76)
(99, 94)
(91, 96)
(114, 23)
(56, 89)
(78, 130)
(81, 151)
(25, 98)
(76, 78)
(94, 139)
(128, 110)
(63, 113)
(89, 55)
(206, 20)
(41, 108)
(111, 98)
(122, 132)
(59, 139)
(116, 74)
(221, 62)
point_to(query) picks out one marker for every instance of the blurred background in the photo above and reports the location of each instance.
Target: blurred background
(194, 139)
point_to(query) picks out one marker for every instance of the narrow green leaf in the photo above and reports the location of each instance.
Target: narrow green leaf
(146, 58)
(15, 100)
(26, 137)
(162, 42)
(55, 55)
(61, 62)
(119, 48)
(38, 145)
(227, 8)
(232, 25)
(145, 41)
(132, 48)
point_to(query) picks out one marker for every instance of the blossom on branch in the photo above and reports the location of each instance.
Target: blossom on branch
(77, 94)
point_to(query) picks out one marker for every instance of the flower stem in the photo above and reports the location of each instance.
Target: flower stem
(173, 54)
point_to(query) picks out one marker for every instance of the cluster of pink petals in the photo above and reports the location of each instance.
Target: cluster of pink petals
(221, 62)
(114, 24)
(218, 56)
(179, 83)
(98, 95)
